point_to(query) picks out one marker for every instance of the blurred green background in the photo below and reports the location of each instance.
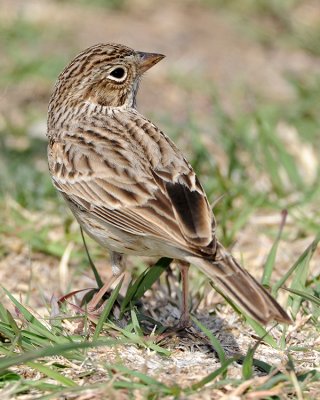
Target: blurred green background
(239, 92)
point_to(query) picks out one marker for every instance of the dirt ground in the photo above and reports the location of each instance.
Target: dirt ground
(199, 43)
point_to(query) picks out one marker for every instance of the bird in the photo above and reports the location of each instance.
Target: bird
(129, 186)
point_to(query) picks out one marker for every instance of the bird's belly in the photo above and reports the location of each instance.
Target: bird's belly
(124, 242)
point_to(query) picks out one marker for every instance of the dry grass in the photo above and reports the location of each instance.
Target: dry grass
(222, 79)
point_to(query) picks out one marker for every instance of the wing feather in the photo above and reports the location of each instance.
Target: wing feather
(145, 194)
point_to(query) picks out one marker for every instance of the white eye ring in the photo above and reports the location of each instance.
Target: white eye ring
(118, 74)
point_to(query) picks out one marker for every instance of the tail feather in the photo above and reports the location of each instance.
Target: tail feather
(241, 287)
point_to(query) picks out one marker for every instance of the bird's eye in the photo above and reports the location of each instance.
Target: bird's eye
(118, 74)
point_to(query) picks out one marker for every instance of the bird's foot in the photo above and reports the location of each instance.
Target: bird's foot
(184, 321)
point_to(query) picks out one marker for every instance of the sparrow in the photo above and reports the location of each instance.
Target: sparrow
(129, 186)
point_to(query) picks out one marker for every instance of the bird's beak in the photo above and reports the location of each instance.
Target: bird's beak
(148, 60)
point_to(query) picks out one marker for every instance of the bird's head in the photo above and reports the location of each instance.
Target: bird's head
(104, 74)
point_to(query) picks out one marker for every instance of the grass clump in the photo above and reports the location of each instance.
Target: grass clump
(261, 171)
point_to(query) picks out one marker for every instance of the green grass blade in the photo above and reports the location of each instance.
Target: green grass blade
(16, 330)
(58, 349)
(209, 378)
(307, 254)
(286, 161)
(6, 331)
(145, 379)
(247, 366)
(139, 340)
(271, 259)
(135, 323)
(107, 309)
(144, 282)
(93, 267)
(263, 366)
(214, 341)
(34, 322)
(50, 373)
(305, 296)
(274, 381)
(8, 376)
(261, 332)
(152, 276)
(28, 340)
(3, 314)
(299, 283)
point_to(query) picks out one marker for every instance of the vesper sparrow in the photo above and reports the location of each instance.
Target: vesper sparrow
(128, 185)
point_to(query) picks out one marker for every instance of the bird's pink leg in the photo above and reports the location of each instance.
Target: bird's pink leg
(184, 321)
(117, 270)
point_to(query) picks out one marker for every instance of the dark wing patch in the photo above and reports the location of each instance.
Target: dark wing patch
(192, 212)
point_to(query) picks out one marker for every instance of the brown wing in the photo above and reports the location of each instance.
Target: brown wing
(134, 178)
